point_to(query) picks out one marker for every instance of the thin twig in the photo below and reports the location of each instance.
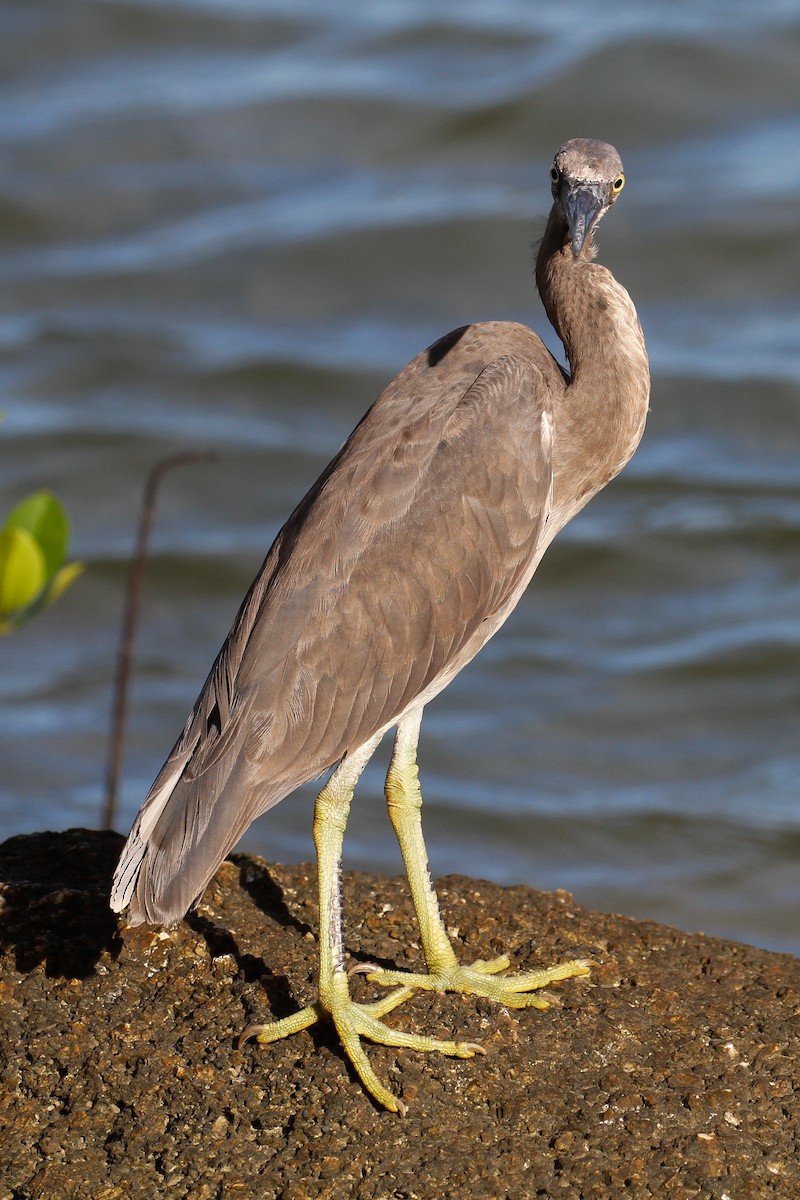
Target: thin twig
(130, 618)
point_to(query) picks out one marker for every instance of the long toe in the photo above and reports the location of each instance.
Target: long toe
(275, 1030)
(517, 990)
(356, 1021)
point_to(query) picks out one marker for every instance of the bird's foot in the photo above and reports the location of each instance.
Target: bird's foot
(356, 1021)
(482, 978)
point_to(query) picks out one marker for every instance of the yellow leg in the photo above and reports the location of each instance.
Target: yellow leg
(404, 799)
(353, 1021)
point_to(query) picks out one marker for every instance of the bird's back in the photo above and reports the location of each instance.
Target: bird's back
(392, 572)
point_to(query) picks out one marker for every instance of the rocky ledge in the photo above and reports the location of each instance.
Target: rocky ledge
(671, 1071)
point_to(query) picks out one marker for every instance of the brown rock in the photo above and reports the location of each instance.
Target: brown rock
(671, 1071)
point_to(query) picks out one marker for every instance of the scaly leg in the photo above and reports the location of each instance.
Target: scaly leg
(353, 1021)
(404, 799)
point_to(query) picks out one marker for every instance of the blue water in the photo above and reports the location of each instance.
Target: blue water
(229, 224)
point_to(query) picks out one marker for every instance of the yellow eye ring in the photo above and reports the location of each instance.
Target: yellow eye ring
(554, 175)
(618, 184)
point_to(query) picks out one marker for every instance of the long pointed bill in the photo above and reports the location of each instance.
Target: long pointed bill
(582, 205)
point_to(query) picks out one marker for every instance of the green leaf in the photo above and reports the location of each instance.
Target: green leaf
(23, 570)
(43, 517)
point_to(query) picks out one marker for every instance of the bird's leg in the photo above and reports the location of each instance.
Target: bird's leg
(404, 799)
(353, 1021)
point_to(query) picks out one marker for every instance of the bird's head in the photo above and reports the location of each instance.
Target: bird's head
(587, 177)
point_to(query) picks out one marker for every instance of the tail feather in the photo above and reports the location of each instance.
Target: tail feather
(184, 829)
(129, 866)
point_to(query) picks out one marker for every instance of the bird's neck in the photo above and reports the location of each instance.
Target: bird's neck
(599, 417)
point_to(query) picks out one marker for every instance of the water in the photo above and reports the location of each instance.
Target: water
(229, 223)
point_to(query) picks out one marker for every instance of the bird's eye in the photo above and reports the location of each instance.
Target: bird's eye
(554, 176)
(618, 184)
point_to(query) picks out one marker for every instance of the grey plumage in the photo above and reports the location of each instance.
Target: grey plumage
(407, 554)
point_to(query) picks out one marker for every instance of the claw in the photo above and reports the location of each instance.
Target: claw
(363, 968)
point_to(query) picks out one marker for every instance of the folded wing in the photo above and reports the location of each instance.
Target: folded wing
(393, 571)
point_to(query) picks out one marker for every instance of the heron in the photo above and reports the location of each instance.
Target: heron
(404, 558)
